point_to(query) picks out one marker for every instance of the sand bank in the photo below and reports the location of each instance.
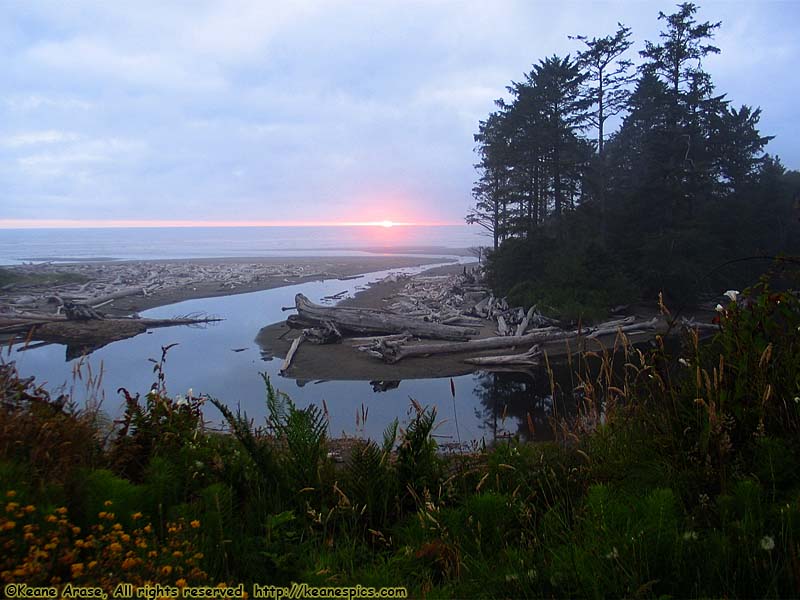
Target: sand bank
(140, 285)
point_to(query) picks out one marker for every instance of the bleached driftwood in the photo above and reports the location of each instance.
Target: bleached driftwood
(502, 328)
(373, 321)
(524, 324)
(327, 334)
(529, 358)
(123, 293)
(292, 351)
(392, 352)
(604, 329)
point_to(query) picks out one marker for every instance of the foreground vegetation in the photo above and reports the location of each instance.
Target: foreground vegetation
(678, 477)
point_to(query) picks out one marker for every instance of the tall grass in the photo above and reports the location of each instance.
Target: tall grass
(677, 477)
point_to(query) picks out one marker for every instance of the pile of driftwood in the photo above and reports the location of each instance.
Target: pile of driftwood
(455, 310)
(392, 351)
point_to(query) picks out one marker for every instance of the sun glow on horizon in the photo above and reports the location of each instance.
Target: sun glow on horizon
(132, 223)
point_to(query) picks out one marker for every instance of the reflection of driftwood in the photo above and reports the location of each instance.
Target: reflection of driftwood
(371, 321)
(384, 385)
(531, 357)
(392, 352)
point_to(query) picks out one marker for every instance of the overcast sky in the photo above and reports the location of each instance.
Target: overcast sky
(306, 111)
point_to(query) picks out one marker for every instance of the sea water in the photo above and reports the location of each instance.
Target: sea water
(38, 245)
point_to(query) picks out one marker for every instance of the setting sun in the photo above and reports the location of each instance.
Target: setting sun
(386, 223)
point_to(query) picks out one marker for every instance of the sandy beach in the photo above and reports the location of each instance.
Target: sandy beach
(148, 284)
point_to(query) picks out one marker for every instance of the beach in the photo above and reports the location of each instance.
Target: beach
(142, 285)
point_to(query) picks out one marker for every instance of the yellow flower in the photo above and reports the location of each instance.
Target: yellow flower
(195, 524)
(8, 525)
(128, 563)
(166, 570)
(102, 514)
(148, 528)
(61, 510)
(125, 538)
(180, 583)
(12, 506)
(135, 516)
(51, 518)
(77, 569)
(117, 526)
(30, 508)
(76, 530)
(107, 503)
(11, 494)
(92, 564)
(177, 554)
(115, 547)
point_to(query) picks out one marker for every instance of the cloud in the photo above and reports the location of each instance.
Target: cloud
(35, 138)
(301, 110)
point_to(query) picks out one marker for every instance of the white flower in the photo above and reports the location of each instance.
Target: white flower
(613, 554)
(797, 399)
(690, 535)
(732, 294)
(767, 543)
(180, 400)
(190, 394)
(719, 308)
(684, 362)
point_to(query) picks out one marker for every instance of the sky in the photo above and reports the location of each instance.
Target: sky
(314, 111)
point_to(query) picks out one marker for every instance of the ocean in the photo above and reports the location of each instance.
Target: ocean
(39, 245)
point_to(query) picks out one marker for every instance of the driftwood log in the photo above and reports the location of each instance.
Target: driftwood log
(292, 351)
(393, 352)
(371, 321)
(529, 358)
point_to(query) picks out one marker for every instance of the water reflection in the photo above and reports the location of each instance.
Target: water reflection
(521, 403)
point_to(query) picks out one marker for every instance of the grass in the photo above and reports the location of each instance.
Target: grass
(16, 278)
(676, 478)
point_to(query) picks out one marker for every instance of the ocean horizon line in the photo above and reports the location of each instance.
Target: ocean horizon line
(24, 224)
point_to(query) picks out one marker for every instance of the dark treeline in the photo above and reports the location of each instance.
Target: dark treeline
(583, 218)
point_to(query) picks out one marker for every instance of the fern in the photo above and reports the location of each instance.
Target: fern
(417, 463)
(303, 431)
(261, 453)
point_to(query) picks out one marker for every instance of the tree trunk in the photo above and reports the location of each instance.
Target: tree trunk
(373, 322)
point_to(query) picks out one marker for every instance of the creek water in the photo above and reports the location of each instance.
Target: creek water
(223, 360)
